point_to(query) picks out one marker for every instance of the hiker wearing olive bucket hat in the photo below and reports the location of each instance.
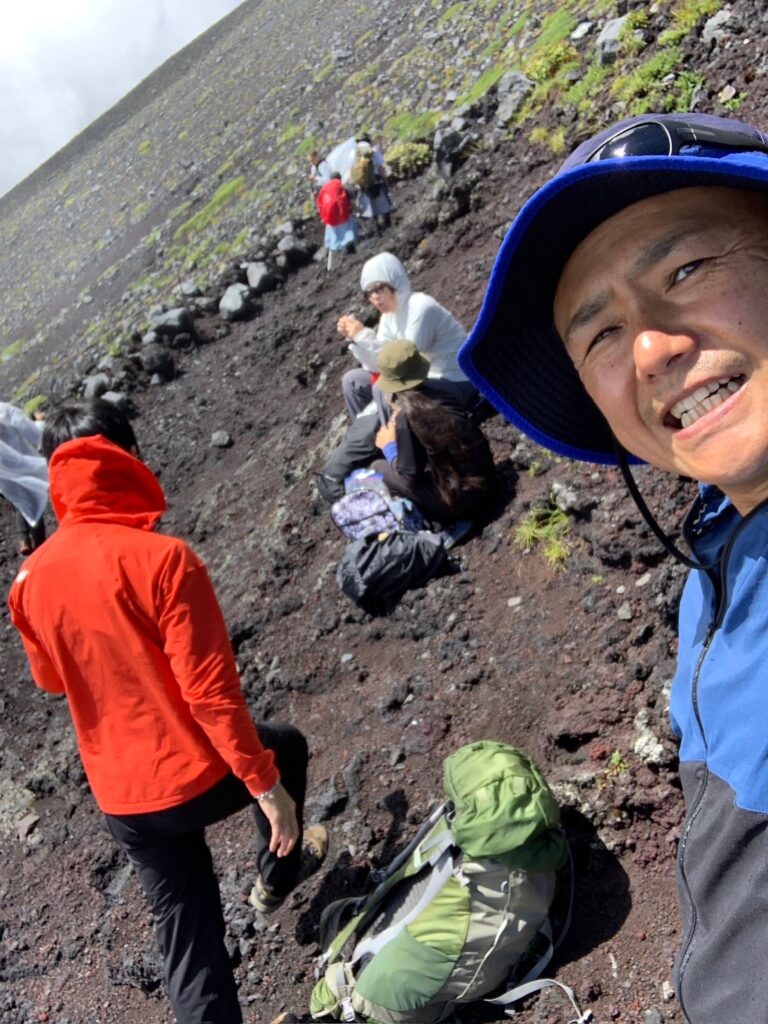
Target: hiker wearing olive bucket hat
(626, 319)
(434, 453)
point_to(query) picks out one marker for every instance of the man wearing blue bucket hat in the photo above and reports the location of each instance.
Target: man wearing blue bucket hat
(627, 318)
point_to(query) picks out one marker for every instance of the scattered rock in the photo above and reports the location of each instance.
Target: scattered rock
(236, 303)
(609, 40)
(221, 439)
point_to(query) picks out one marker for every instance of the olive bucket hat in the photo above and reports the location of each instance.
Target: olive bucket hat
(513, 354)
(401, 366)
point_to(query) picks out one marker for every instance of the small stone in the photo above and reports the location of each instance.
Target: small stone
(625, 612)
(25, 825)
(221, 439)
(514, 602)
(643, 580)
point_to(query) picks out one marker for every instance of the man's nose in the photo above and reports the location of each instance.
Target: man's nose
(656, 350)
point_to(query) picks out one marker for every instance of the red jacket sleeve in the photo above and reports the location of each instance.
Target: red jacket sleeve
(195, 640)
(43, 672)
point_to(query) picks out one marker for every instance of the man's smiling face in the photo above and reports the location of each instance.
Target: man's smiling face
(664, 311)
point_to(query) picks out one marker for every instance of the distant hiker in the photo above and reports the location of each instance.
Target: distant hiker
(124, 621)
(414, 316)
(367, 175)
(23, 475)
(433, 453)
(319, 171)
(627, 313)
(335, 209)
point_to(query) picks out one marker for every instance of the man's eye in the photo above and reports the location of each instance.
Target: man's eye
(685, 271)
(600, 336)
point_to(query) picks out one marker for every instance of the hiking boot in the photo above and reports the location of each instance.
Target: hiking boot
(314, 847)
(263, 899)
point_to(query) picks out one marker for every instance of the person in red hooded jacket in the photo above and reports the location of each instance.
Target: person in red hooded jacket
(335, 209)
(125, 622)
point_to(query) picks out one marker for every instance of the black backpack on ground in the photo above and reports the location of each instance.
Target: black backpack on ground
(376, 570)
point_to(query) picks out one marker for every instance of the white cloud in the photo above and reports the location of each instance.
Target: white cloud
(64, 62)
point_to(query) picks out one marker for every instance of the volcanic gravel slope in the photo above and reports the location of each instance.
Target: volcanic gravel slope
(572, 666)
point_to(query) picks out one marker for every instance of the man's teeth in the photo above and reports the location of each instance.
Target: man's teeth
(707, 397)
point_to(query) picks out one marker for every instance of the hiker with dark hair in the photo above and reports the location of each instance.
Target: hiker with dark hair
(124, 621)
(319, 171)
(625, 320)
(433, 453)
(23, 475)
(414, 316)
(335, 209)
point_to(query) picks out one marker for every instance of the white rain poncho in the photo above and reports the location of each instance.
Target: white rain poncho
(23, 470)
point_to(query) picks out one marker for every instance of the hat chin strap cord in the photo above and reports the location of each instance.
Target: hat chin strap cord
(666, 542)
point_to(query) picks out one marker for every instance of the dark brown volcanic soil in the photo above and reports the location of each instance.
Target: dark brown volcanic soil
(575, 669)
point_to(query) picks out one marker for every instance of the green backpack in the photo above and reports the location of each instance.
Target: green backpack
(462, 913)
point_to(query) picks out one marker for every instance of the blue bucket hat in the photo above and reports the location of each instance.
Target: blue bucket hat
(514, 355)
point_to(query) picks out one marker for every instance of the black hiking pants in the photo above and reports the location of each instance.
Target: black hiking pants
(356, 451)
(171, 858)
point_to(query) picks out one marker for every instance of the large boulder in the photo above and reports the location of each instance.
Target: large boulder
(155, 359)
(236, 303)
(171, 322)
(260, 277)
(512, 89)
(450, 146)
(609, 40)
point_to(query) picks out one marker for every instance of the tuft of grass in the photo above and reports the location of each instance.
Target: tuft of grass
(144, 147)
(485, 82)
(450, 14)
(554, 140)
(582, 93)
(545, 62)
(289, 133)
(21, 393)
(686, 15)
(35, 404)
(546, 530)
(325, 70)
(644, 88)
(11, 350)
(555, 28)
(407, 159)
(408, 127)
(205, 216)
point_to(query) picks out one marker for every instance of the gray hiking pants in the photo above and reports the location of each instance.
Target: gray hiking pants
(171, 858)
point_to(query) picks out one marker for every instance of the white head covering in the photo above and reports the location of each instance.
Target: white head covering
(385, 268)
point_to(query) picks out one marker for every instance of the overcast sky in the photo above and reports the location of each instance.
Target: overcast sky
(64, 62)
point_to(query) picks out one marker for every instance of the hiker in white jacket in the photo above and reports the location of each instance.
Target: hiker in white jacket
(405, 316)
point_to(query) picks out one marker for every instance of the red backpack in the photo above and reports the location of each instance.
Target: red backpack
(333, 203)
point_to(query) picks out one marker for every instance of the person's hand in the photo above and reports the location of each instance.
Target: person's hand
(349, 326)
(386, 433)
(280, 811)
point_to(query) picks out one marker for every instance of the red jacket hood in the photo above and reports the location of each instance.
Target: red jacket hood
(93, 480)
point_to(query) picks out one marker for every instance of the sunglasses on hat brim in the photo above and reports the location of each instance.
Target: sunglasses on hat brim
(668, 138)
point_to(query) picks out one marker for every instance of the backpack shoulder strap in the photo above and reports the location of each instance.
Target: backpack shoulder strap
(442, 860)
(529, 987)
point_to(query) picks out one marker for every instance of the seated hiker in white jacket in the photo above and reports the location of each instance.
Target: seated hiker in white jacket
(405, 314)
